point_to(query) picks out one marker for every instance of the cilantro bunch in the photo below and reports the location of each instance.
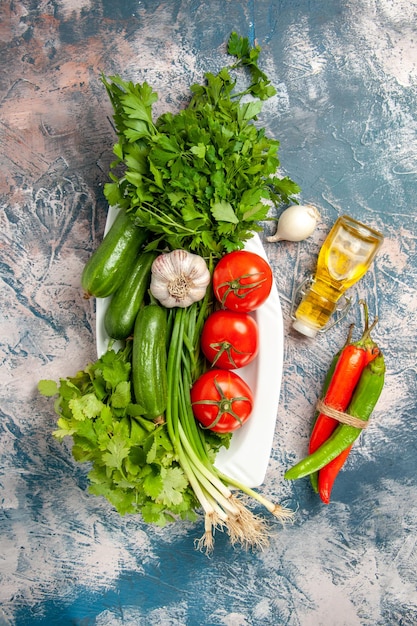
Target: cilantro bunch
(199, 179)
(133, 463)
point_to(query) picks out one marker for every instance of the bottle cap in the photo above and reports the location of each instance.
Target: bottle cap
(305, 329)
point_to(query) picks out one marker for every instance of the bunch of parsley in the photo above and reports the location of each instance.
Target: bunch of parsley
(199, 179)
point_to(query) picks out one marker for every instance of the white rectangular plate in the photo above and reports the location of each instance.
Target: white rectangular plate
(247, 458)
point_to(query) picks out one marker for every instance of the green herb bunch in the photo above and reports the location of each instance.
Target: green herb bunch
(199, 179)
(133, 462)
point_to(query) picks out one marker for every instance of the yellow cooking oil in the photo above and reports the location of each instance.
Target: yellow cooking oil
(344, 258)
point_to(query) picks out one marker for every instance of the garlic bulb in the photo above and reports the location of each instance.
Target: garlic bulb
(179, 278)
(296, 223)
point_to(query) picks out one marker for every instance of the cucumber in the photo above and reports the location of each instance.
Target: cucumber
(119, 319)
(113, 259)
(149, 360)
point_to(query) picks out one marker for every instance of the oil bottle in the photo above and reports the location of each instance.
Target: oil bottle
(344, 258)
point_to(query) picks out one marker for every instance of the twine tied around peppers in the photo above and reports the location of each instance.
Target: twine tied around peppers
(340, 416)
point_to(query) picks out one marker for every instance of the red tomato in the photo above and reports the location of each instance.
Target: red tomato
(242, 280)
(230, 339)
(222, 401)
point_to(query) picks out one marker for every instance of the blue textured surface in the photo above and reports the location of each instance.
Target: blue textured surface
(345, 113)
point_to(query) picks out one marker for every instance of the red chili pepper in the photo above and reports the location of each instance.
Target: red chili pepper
(350, 365)
(314, 477)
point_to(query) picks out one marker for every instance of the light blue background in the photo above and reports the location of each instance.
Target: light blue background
(345, 114)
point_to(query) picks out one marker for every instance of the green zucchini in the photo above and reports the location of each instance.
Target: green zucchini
(149, 360)
(119, 319)
(114, 258)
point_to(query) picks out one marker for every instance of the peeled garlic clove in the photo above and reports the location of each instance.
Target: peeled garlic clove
(296, 223)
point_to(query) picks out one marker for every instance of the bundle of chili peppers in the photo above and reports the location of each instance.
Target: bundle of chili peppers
(351, 390)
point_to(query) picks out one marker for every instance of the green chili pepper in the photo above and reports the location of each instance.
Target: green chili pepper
(363, 402)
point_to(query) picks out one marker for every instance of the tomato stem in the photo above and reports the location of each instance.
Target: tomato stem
(224, 405)
(236, 286)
